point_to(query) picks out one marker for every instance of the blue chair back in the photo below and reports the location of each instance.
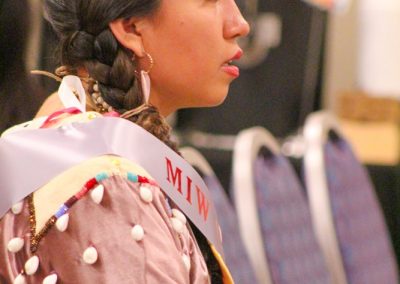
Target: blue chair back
(348, 220)
(290, 245)
(274, 217)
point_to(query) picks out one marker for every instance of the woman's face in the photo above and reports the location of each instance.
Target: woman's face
(191, 42)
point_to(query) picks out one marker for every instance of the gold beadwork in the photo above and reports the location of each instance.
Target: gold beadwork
(36, 238)
(116, 162)
(92, 116)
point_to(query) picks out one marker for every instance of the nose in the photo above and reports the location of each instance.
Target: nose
(234, 24)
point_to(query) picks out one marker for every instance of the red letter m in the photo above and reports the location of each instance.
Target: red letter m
(202, 203)
(173, 177)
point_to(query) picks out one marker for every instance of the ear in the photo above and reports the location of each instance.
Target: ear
(126, 32)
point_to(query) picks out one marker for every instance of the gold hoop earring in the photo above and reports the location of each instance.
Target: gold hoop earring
(144, 77)
(151, 63)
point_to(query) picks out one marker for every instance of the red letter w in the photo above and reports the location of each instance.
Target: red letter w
(202, 203)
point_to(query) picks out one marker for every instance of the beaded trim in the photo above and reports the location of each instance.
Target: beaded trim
(99, 101)
(89, 185)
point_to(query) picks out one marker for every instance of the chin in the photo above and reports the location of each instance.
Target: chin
(217, 98)
(219, 102)
(214, 102)
(207, 98)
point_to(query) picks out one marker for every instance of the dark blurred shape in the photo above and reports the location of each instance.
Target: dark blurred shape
(20, 95)
(48, 58)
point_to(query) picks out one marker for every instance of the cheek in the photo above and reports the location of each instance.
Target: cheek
(182, 62)
(187, 86)
(187, 64)
(188, 41)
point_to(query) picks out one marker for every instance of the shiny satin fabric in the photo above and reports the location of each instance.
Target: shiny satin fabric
(39, 155)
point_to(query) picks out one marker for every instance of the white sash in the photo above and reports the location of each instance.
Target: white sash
(30, 158)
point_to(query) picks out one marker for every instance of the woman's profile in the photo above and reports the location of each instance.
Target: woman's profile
(106, 220)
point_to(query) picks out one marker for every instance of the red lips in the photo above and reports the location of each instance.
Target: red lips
(233, 70)
(238, 55)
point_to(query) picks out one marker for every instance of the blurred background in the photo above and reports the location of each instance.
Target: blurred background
(341, 56)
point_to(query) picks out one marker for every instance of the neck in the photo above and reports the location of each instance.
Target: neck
(164, 100)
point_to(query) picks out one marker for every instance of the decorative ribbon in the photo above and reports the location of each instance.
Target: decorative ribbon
(146, 85)
(72, 93)
(30, 158)
(54, 117)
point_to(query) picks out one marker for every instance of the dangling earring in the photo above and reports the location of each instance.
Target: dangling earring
(145, 79)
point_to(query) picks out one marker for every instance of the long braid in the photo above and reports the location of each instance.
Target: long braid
(111, 65)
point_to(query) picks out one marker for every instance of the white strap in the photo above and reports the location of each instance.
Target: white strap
(69, 88)
(145, 81)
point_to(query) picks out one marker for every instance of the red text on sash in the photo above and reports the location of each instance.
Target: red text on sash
(174, 176)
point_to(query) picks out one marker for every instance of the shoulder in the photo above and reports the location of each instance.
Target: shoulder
(50, 105)
(62, 187)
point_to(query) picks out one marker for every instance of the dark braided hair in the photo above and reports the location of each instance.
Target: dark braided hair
(86, 41)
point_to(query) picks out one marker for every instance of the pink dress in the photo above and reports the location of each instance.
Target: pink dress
(132, 230)
(116, 227)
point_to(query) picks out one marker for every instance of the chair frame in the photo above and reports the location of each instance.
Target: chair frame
(196, 159)
(247, 147)
(316, 134)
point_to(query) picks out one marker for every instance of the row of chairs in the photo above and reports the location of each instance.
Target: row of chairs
(276, 231)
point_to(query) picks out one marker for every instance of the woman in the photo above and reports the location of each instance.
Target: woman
(185, 49)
